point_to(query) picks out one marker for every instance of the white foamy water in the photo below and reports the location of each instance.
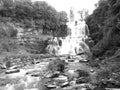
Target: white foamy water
(72, 43)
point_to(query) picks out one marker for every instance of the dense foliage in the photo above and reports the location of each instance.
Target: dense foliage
(7, 34)
(104, 26)
(36, 15)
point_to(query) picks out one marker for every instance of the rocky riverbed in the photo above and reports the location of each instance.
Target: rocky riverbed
(47, 72)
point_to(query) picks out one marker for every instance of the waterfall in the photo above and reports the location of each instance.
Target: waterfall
(74, 43)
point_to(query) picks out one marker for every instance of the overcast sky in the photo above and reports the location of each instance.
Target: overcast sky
(64, 5)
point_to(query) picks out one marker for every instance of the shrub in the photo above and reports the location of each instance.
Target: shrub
(57, 65)
(8, 45)
(7, 30)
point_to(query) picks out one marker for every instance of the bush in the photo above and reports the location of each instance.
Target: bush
(7, 30)
(57, 65)
(8, 45)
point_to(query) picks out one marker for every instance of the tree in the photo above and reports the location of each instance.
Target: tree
(7, 3)
(61, 24)
(105, 22)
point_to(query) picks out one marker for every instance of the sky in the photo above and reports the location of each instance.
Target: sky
(64, 5)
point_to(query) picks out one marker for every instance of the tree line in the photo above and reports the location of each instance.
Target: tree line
(36, 15)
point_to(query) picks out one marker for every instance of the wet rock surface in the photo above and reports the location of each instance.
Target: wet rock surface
(46, 73)
(12, 71)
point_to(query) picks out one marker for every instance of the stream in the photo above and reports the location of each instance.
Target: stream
(32, 75)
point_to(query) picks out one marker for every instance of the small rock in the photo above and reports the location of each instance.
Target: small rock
(65, 84)
(36, 62)
(48, 75)
(83, 60)
(61, 78)
(12, 71)
(14, 67)
(70, 60)
(36, 75)
(50, 86)
(92, 70)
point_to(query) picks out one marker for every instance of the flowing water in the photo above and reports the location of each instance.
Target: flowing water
(74, 43)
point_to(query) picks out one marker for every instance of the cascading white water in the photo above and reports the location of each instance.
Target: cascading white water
(74, 43)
